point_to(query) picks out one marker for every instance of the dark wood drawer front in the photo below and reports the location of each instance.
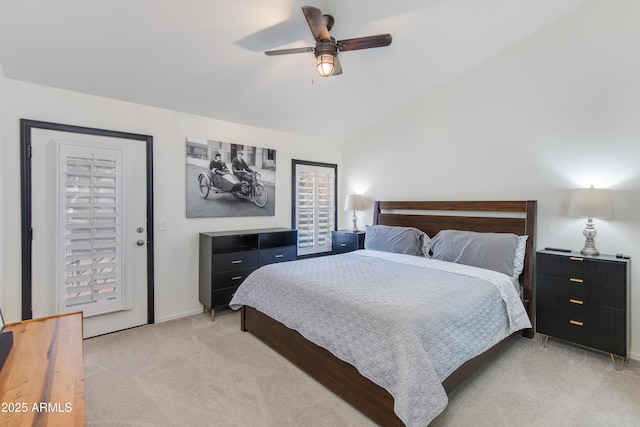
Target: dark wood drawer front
(611, 272)
(281, 254)
(582, 290)
(598, 328)
(232, 261)
(344, 241)
(591, 325)
(222, 297)
(229, 278)
(339, 247)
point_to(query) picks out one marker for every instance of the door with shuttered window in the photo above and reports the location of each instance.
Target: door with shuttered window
(90, 237)
(89, 229)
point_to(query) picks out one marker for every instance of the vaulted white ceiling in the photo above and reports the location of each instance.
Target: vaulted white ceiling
(205, 57)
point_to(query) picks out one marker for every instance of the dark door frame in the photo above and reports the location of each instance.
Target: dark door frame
(294, 201)
(26, 126)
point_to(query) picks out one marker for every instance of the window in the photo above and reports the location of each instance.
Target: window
(90, 230)
(314, 203)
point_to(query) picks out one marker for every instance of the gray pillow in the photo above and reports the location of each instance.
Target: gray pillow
(400, 240)
(493, 251)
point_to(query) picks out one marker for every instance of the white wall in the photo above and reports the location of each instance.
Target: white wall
(557, 111)
(176, 250)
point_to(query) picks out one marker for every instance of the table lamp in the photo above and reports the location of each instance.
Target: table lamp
(591, 203)
(354, 203)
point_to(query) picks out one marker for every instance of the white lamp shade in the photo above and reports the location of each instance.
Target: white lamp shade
(354, 202)
(591, 203)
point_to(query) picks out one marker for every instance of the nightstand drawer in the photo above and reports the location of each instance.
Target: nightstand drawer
(339, 247)
(345, 241)
(582, 268)
(231, 261)
(281, 254)
(582, 290)
(597, 327)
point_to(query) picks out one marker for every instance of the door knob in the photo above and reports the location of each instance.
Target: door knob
(140, 242)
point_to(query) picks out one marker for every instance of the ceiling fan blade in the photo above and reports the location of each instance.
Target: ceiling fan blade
(364, 42)
(316, 23)
(289, 51)
(337, 68)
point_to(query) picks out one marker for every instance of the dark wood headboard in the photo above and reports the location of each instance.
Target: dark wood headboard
(511, 216)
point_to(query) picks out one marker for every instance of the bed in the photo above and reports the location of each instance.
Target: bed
(364, 375)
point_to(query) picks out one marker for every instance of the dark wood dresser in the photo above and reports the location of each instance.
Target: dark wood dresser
(228, 257)
(346, 241)
(584, 300)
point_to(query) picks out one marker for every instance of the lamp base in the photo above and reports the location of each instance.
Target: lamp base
(589, 243)
(589, 251)
(354, 229)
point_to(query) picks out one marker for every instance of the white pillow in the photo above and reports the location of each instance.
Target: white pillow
(518, 260)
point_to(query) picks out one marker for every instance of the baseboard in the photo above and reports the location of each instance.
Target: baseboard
(633, 356)
(178, 316)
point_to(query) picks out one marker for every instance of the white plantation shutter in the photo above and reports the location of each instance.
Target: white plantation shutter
(90, 230)
(315, 208)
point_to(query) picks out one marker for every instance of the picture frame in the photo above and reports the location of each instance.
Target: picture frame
(229, 180)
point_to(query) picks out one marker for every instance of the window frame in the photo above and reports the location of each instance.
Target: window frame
(294, 202)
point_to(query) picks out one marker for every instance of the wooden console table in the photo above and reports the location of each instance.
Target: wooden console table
(41, 382)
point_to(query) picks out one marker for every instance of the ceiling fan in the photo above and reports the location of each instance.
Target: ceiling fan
(327, 48)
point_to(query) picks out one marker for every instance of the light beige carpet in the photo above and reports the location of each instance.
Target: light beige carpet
(192, 372)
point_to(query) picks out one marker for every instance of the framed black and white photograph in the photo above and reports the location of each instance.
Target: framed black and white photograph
(225, 179)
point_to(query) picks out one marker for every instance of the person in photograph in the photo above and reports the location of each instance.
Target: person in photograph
(241, 169)
(217, 168)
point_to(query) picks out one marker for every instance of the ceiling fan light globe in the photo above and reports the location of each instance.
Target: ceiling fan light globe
(325, 64)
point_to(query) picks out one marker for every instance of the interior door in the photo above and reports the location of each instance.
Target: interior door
(89, 229)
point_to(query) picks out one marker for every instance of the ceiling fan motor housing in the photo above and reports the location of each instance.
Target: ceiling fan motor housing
(327, 48)
(328, 21)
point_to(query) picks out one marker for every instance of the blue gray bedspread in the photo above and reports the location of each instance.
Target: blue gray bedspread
(405, 322)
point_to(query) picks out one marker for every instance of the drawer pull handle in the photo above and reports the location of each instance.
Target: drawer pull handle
(236, 278)
(279, 256)
(236, 261)
(575, 322)
(343, 244)
(576, 301)
(575, 258)
(576, 280)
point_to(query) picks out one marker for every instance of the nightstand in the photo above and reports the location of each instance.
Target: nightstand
(346, 241)
(584, 300)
